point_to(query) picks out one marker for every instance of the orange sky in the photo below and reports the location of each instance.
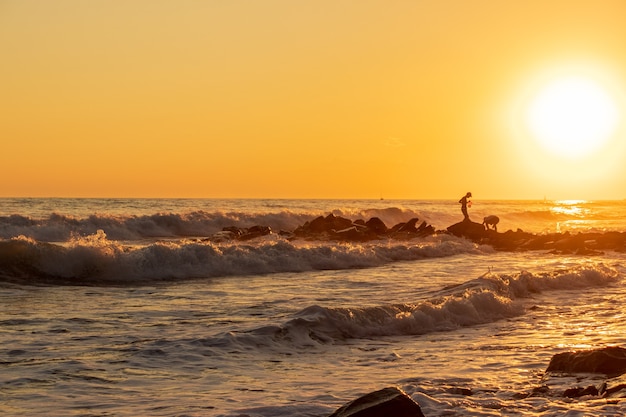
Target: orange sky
(299, 99)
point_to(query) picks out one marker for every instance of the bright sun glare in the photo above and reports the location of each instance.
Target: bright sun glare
(572, 117)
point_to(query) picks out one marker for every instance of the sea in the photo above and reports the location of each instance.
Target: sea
(135, 307)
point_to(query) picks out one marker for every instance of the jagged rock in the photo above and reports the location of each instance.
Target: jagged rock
(610, 361)
(339, 228)
(425, 229)
(408, 227)
(376, 225)
(387, 402)
(321, 225)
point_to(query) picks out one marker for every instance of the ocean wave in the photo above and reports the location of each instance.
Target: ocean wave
(57, 227)
(486, 299)
(95, 259)
(62, 228)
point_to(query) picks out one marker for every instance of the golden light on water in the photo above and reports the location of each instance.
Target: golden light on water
(569, 207)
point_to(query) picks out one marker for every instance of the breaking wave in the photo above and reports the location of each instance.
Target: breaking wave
(62, 228)
(486, 299)
(95, 260)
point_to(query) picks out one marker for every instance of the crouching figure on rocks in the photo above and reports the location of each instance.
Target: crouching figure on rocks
(491, 221)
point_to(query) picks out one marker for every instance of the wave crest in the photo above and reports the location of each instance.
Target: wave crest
(486, 299)
(95, 259)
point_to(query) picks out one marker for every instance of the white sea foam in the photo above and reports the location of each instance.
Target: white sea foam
(486, 299)
(94, 259)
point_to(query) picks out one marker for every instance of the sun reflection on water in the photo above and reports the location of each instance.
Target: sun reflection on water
(571, 208)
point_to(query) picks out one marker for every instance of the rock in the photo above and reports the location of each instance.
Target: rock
(580, 392)
(354, 233)
(387, 402)
(338, 228)
(609, 361)
(376, 225)
(254, 232)
(615, 391)
(322, 225)
(233, 232)
(408, 227)
(611, 240)
(224, 235)
(317, 225)
(469, 229)
(459, 391)
(425, 229)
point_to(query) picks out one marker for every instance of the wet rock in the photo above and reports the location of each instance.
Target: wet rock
(386, 402)
(240, 233)
(460, 391)
(609, 361)
(254, 232)
(580, 392)
(614, 391)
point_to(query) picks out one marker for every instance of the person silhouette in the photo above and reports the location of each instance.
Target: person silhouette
(464, 202)
(491, 221)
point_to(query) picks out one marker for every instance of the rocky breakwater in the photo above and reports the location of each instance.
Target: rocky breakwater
(335, 228)
(582, 243)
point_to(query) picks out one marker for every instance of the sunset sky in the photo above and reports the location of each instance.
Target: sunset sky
(313, 99)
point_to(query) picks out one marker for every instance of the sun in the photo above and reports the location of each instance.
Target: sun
(572, 117)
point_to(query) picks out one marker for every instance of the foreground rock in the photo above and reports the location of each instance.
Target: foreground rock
(609, 361)
(387, 402)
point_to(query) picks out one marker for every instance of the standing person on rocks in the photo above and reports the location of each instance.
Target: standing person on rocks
(464, 203)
